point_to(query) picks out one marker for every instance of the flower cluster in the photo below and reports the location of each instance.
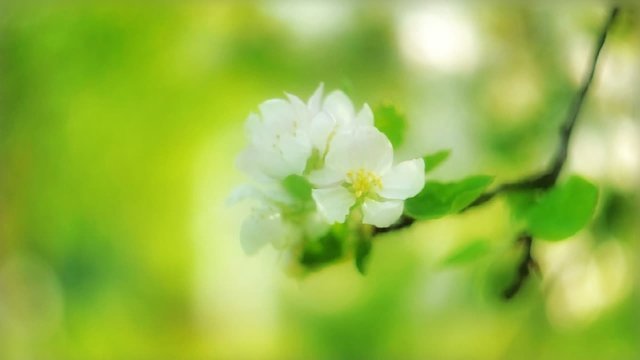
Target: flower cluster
(317, 163)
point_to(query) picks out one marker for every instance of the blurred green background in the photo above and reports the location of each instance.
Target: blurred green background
(120, 123)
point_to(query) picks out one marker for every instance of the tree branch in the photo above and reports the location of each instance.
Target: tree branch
(403, 222)
(548, 177)
(524, 267)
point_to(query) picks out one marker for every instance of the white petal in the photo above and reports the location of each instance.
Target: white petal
(274, 166)
(270, 191)
(339, 106)
(315, 225)
(250, 240)
(322, 125)
(241, 193)
(338, 158)
(259, 134)
(278, 115)
(295, 151)
(326, 177)
(286, 236)
(249, 163)
(403, 180)
(261, 228)
(296, 102)
(253, 126)
(273, 191)
(365, 116)
(264, 164)
(381, 213)
(363, 148)
(266, 225)
(315, 102)
(333, 203)
(302, 116)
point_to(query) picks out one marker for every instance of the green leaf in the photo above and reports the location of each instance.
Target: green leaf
(390, 122)
(431, 203)
(362, 252)
(467, 253)
(298, 187)
(323, 251)
(564, 210)
(438, 199)
(521, 202)
(468, 190)
(432, 161)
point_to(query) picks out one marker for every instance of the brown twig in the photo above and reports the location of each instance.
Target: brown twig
(548, 177)
(542, 180)
(524, 267)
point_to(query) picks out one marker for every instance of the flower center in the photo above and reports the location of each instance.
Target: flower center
(363, 182)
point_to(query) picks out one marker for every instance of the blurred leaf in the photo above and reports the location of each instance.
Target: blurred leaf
(390, 122)
(467, 253)
(298, 187)
(521, 202)
(617, 215)
(470, 189)
(362, 252)
(432, 161)
(438, 199)
(432, 202)
(323, 251)
(564, 210)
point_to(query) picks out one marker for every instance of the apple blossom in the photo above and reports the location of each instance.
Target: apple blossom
(266, 225)
(279, 143)
(334, 114)
(340, 159)
(359, 172)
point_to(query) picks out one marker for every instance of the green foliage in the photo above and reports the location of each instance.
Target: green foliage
(362, 251)
(121, 103)
(390, 122)
(438, 199)
(298, 187)
(564, 210)
(467, 253)
(521, 202)
(434, 160)
(617, 216)
(323, 251)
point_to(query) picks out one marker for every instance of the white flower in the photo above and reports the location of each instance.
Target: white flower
(335, 114)
(279, 146)
(271, 193)
(285, 132)
(348, 161)
(279, 140)
(359, 171)
(266, 225)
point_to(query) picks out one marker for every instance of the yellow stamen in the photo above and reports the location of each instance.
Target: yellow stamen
(363, 182)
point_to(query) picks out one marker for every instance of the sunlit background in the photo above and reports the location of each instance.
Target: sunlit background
(119, 127)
